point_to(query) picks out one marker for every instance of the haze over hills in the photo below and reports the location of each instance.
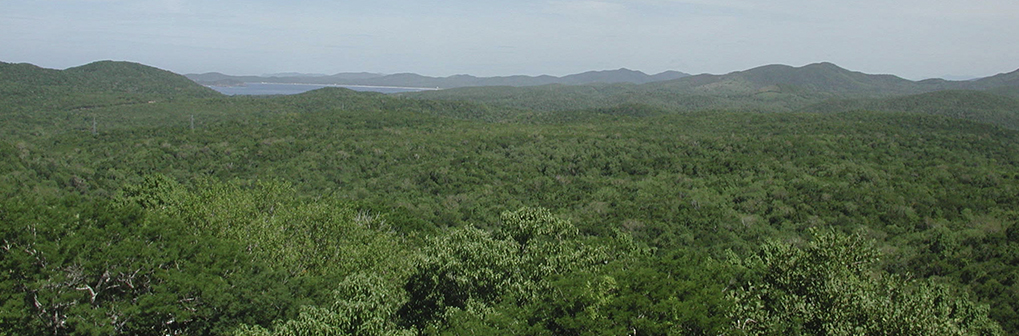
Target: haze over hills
(817, 77)
(456, 81)
(820, 87)
(771, 88)
(822, 77)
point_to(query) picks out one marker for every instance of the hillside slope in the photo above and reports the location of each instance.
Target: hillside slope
(972, 105)
(99, 78)
(127, 77)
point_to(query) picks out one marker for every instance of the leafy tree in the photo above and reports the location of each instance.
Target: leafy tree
(675, 293)
(829, 286)
(470, 270)
(365, 304)
(80, 267)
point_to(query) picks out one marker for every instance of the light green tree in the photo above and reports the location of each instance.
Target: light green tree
(364, 304)
(469, 270)
(829, 286)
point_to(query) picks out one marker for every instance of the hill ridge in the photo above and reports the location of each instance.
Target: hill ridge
(116, 77)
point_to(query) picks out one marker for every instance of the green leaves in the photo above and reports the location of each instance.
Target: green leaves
(829, 286)
(327, 238)
(83, 267)
(470, 270)
(279, 202)
(526, 224)
(365, 304)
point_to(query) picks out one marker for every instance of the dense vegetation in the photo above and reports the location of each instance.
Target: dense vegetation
(973, 105)
(336, 212)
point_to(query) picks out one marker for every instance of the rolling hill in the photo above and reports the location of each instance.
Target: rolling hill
(828, 79)
(771, 88)
(819, 78)
(106, 77)
(963, 104)
(127, 77)
(24, 74)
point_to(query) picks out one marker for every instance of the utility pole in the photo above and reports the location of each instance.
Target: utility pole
(95, 130)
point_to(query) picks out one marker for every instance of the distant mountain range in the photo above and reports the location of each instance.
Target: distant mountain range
(820, 87)
(777, 87)
(457, 81)
(814, 81)
(826, 78)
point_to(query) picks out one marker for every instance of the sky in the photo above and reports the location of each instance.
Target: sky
(914, 39)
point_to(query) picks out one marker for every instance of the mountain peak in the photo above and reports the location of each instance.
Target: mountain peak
(130, 77)
(818, 77)
(113, 66)
(824, 65)
(107, 76)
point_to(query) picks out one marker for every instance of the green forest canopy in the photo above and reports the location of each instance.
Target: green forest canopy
(336, 212)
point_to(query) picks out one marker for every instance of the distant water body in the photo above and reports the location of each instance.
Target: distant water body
(256, 89)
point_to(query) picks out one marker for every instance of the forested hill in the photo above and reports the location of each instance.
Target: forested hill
(24, 74)
(825, 78)
(814, 80)
(103, 77)
(772, 88)
(1010, 79)
(337, 212)
(817, 78)
(415, 80)
(973, 105)
(1005, 84)
(130, 77)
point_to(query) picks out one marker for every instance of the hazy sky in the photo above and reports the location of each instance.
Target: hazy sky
(910, 38)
